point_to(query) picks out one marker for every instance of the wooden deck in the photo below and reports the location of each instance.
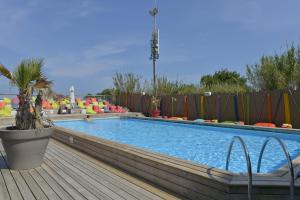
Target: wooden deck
(69, 174)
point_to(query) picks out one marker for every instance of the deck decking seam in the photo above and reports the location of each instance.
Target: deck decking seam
(4, 183)
(2, 155)
(89, 186)
(103, 183)
(109, 174)
(115, 172)
(67, 178)
(61, 182)
(34, 182)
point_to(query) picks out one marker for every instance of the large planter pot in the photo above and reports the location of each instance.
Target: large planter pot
(25, 149)
(155, 113)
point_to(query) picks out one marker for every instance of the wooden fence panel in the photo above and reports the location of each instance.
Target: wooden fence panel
(274, 107)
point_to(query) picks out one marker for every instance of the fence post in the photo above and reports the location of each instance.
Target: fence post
(248, 107)
(269, 104)
(236, 109)
(186, 107)
(218, 107)
(142, 103)
(202, 106)
(287, 111)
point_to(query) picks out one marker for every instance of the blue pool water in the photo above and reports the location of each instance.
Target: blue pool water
(200, 144)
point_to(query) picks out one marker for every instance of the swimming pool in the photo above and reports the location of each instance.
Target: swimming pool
(200, 144)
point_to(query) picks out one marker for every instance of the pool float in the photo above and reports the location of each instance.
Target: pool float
(199, 120)
(233, 122)
(229, 122)
(265, 124)
(240, 123)
(96, 109)
(55, 105)
(286, 126)
(2, 104)
(89, 110)
(101, 104)
(6, 111)
(6, 100)
(15, 100)
(81, 105)
(175, 118)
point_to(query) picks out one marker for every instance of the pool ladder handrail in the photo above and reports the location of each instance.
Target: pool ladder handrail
(237, 138)
(289, 160)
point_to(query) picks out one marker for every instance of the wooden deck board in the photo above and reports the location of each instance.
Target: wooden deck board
(10, 183)
(108, 190)
(69, 174)
(34, 187)
(112, 181)
(3, 189)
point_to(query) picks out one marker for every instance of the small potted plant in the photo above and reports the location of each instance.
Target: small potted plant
(155, 112)
(25, 143)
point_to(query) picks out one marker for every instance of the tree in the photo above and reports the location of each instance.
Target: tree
(168, 87)
(223, 76)
(224, 81)
(127, 83)
(276, 72)
(88, 95)
(108, 92)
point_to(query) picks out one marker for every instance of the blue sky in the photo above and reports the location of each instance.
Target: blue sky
(85, 42)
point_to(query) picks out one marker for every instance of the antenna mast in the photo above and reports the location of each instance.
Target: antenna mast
(154, 44)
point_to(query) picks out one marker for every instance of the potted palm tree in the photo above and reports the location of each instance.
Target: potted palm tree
(26, 142)
(155, 101)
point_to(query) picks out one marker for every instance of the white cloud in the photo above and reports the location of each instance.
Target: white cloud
(110, 48)
(89, 61)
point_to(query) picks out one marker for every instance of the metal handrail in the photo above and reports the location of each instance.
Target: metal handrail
(237, 138)
(289, 160)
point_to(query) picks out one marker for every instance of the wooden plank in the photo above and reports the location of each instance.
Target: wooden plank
(151, 192)
(50, 174)
(44, 186)
(3, 189)
(116, 182)
(34, 187)
(105, 186)
(23, 187)
(91, 185)
(70, 180)
(54, 185)
(11, 185)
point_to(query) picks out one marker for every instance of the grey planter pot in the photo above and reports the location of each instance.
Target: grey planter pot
(25, 149)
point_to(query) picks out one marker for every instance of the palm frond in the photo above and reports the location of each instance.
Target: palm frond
(29, 74)
(42, 84)
(6, 73)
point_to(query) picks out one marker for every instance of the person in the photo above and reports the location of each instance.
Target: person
(88, 118)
